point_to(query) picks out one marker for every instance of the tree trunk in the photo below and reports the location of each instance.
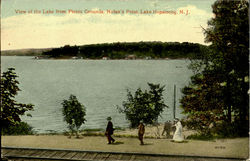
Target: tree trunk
(228, 101)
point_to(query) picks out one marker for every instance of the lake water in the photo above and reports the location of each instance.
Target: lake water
(98, 84)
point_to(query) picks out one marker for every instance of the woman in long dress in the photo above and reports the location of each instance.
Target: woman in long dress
(178, 135)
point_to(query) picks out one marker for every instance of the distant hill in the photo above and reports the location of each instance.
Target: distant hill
(24, 52)
(129, 50)
(117, 50)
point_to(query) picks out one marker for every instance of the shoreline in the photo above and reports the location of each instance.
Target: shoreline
(40, 57)
(151, 131)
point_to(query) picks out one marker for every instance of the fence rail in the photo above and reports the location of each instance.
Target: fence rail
(38, 154)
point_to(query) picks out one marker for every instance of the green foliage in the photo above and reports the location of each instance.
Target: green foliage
(10, 109)
(21, 128)
(74, 113)
(144, 106)
(203, 137)
(216, 101)
(202, 103)
(118, 50)
(66, 51)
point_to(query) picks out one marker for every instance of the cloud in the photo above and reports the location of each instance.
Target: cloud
(41, 31)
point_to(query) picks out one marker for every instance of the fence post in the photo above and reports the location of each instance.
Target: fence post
(174, 100)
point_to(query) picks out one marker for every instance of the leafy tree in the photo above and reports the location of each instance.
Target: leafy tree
(202, 103)
(144, 106)
(74, 113)
(10, 109)
(217, 96)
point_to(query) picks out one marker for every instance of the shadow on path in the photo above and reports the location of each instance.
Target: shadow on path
(117, 143)
(184, 141)
(147, 144)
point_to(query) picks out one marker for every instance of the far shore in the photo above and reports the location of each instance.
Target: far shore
(41, 57)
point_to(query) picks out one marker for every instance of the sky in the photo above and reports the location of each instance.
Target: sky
(47, 23)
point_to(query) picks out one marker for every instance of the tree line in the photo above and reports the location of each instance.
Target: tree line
(121, 50)
(216, 102)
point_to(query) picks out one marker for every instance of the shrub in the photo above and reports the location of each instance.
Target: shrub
(143, 106)
(73, 112)
(19, 129)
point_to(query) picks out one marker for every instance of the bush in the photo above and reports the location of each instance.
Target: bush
(227, 130)
(144, 106)
(201, 137)
(74, 113)
(19, 129)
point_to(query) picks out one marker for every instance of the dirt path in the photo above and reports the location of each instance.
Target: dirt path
(236, 148)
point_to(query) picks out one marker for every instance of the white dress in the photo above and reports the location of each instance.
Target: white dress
(178, 136)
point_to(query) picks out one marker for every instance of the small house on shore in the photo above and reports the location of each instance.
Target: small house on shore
(130, 57)
(105, 58)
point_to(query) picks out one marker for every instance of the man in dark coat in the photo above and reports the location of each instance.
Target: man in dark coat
(109, 131)
(141, 131)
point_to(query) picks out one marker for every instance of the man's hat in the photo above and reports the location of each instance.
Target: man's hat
(109, 118)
